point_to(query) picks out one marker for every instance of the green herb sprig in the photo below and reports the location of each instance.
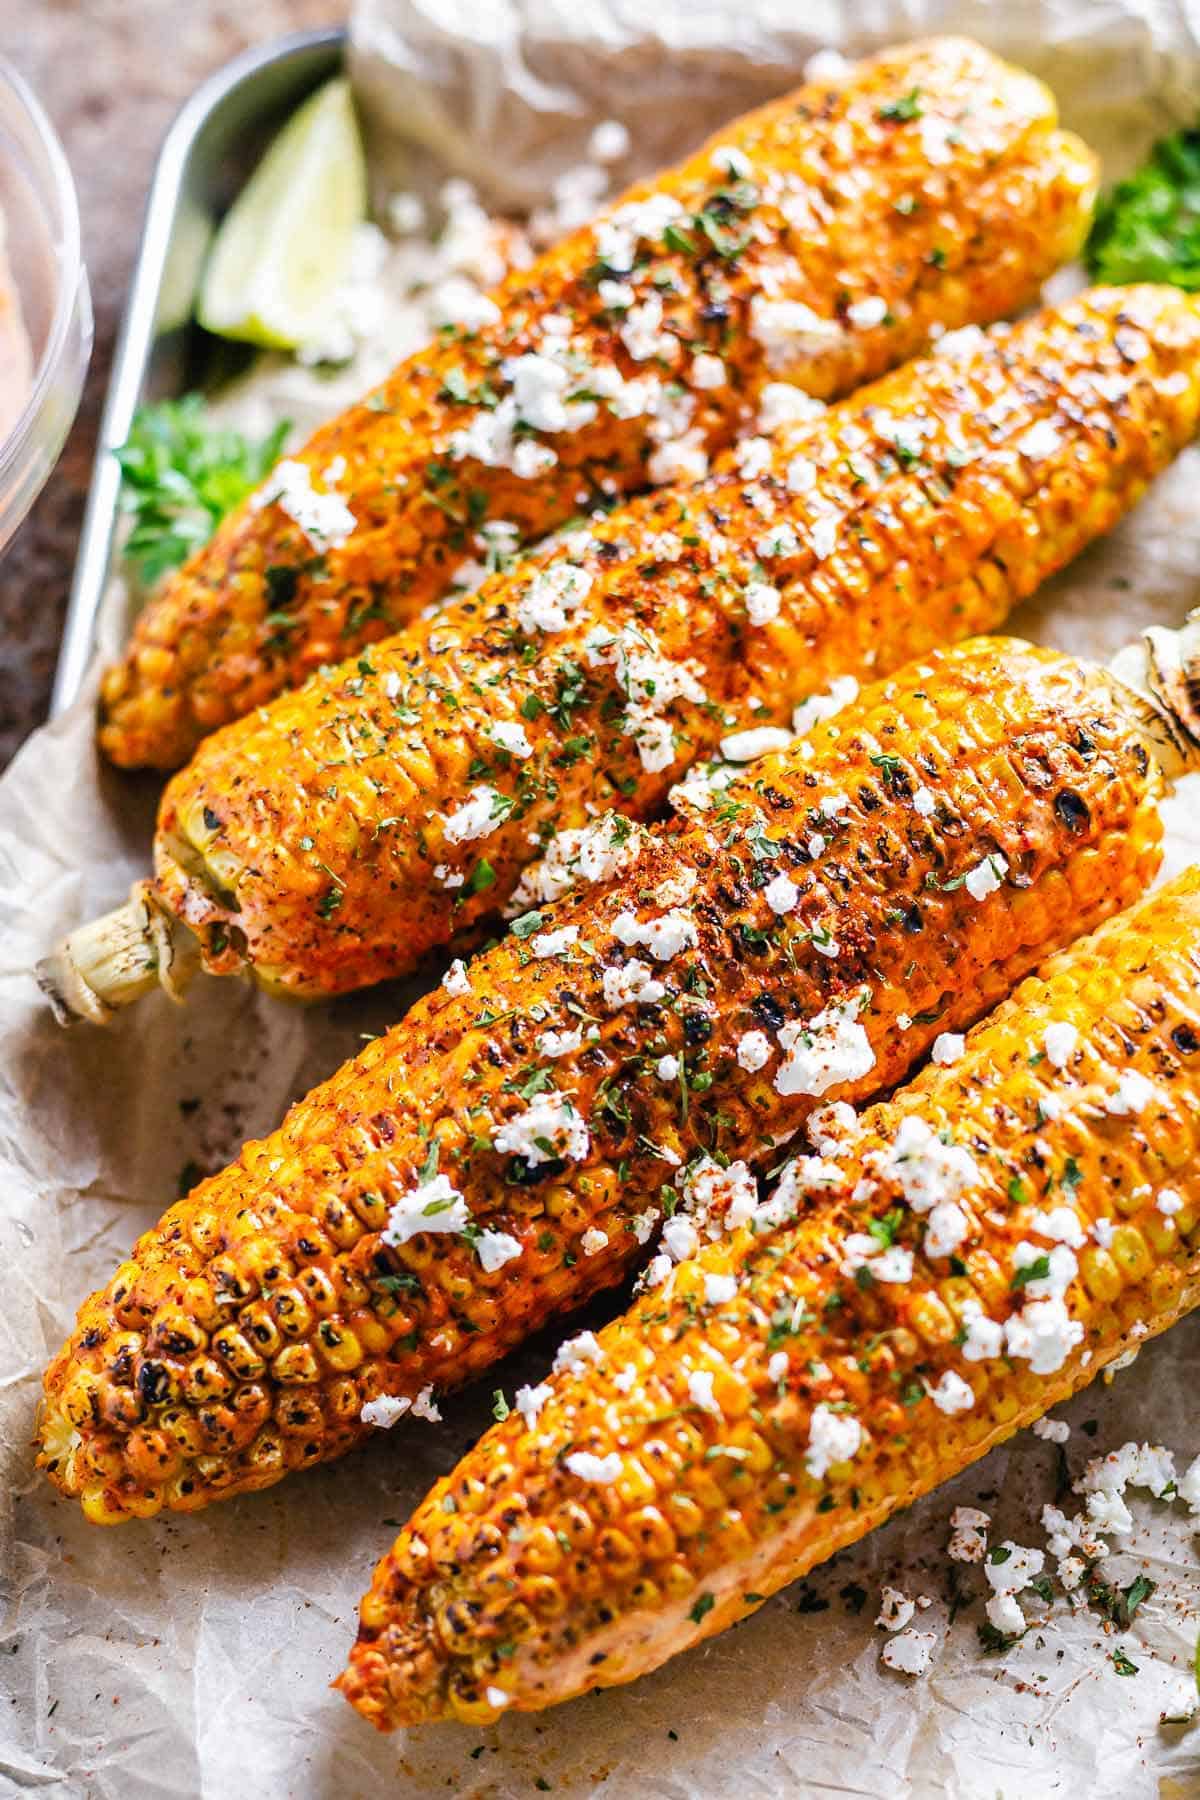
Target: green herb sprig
(1148, 227)
(180, 475)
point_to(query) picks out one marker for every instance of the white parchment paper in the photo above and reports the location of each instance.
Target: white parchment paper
(191, 1656)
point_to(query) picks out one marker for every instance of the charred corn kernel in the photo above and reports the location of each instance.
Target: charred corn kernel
(571, 391)
(1008, 455)
(838, 1465)
(501, 1123)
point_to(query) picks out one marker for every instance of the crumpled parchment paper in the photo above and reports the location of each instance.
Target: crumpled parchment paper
(191, 1656)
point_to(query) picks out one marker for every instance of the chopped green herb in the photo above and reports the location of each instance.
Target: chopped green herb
(899, 112)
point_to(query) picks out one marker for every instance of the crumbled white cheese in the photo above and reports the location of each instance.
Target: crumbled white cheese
(664, 937)
(600, 1469)
(554, 943)
(984, 1337)
(593, 1241)
(618, 235)
(781, 895)
(948, 1046)
(559, 1043)
(707, 371)
(1004, 1615)
(893, 1264)
(1045, 1333)
(864, 315)
(1133, 1094)
(924, 803)
(1062, 1268)
(780, 540)
(1059, 1040)
(783, 403)
(1169, 1202)
(833, 805)
(548, 1129)
(762, 602)
(483, 812)
(700, 1391)
(719, 1289)
(986, 877)
(843, 689)
(1053, 1431)
(827, 65)
(946, 1230)
(456, 981)
(1041, 440)
(632, 984)
(790, 332)
(651, 682)
(384, 1411)
(588, 853)
(683, 459)
(529, 1401)
(625, 1380)
(952, 1394)
(823, 536)
(832, 1438)
(804, 1175)
(495, 1248)
(609, 142)
(434, 1206)
(667, 1068)
(553, 598)
(753, 1051)
(457, 301)
(926, 1170)
(731, 161)
(969, 1527)
(895, 1609)
(1060, 1224)
(576, 1355)
(753, 456)
(325, 519)
(755, 741)
(800, 475)
(910, 1652)
(830, 1048)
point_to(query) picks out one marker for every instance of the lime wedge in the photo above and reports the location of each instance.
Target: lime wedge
(284, 246)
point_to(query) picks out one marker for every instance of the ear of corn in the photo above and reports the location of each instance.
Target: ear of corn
(505, 1150)
(332, 839)
(931, 187)
(779, 1400)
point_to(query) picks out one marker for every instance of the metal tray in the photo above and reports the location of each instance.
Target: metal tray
(206, 156)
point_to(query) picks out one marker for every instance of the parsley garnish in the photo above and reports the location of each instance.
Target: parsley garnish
(1148, 228)
(180, 475)
(899, 112)
(1037, 1270)
(703, 1606)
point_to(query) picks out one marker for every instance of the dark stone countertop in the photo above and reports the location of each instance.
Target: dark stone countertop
(111, 73)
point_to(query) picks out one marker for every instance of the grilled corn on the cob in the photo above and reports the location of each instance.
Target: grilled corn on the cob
(338, 836)
(964, 1257)
(817, 241)
(504, 1151)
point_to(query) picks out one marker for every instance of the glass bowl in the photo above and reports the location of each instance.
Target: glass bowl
(37, 199)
